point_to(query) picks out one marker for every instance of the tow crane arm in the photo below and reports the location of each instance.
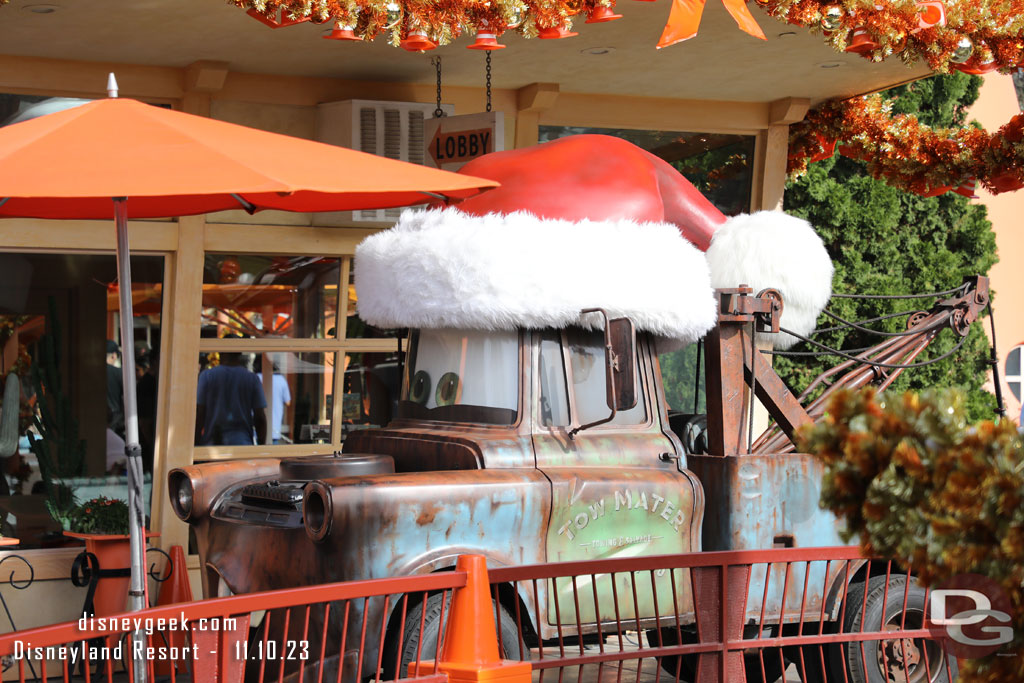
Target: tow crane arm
(733, 364)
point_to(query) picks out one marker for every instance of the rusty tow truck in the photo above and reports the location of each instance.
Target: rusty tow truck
(537, 442)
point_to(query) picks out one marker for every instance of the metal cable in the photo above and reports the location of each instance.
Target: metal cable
(892, 366)
(880, 333)
(890, 316)
(771, 352)
(931, 295)
(994, 362)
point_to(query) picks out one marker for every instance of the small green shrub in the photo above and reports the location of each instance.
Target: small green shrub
(100, 516)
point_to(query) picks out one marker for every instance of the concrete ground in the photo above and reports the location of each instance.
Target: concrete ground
(644, 670)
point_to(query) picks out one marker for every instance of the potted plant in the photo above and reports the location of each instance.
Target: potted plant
(103, 524)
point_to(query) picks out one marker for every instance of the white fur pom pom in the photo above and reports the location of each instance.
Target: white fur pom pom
(772, 249)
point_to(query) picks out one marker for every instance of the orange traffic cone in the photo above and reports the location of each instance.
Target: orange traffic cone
(470, 651)
(174, 590)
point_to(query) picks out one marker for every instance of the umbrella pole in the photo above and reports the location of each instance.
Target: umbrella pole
(136, 520)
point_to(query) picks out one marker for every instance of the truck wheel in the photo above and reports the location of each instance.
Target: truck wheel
(890, 661)
(510, 640)
(686, 666)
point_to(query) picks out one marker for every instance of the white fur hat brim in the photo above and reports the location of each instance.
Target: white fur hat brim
(770, 249)
(442, 268)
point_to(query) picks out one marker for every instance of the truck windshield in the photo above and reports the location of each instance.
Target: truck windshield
(461, 376)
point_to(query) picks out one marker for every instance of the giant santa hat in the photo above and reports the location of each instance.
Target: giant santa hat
(582, 222)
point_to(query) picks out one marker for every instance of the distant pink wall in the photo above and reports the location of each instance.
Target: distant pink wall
(997, 105)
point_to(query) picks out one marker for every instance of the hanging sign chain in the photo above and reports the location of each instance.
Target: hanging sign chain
(438, 112)
(488, 53)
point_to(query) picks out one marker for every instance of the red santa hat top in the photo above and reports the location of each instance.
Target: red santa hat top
(582, 222)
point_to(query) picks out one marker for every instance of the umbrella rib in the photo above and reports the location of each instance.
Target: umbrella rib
(4, 200)
(443, 198)
(249, 207)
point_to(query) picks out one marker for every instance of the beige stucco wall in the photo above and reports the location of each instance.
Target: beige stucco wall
(997, 105)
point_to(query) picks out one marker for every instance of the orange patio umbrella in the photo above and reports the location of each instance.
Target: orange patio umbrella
(124, 159)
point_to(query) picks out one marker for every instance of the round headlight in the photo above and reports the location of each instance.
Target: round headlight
(182, 494)
(317, 511)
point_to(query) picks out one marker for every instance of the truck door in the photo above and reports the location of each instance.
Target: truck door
(612, 493)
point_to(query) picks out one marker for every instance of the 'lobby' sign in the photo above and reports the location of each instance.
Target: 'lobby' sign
(453, 140)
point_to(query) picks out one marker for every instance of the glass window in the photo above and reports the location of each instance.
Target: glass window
(721, 166)
(590, 381)
(682, 374)
(270, 296)
(60, 339)
(1013, 374)
(277, 397)
(554, 401)
(462, 376)
(372, 385)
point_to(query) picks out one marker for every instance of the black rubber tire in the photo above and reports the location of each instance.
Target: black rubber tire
(687, 665)
(511, 644)
(890, 604)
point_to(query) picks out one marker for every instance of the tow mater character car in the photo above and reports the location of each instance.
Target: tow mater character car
(532, 424)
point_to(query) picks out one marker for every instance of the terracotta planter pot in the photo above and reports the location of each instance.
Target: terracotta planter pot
(112, 552)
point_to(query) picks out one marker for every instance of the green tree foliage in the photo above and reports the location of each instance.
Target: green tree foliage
(913, 480)
(885, 241)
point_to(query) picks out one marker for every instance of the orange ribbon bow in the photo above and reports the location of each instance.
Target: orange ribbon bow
(684, 19)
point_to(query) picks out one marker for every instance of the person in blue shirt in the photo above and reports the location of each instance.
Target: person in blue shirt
(230, 405)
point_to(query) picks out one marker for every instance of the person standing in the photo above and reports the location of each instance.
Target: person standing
(230, 406)
(280, 398)
(115, 389)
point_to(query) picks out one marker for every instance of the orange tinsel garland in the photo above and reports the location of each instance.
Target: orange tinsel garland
(975, 36)
(906, 153)
(970, 35)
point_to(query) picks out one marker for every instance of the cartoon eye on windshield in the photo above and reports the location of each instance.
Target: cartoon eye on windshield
(420, 389)
(449, 389)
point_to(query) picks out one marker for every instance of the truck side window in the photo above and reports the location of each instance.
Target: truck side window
(586, 356)
(554, 401)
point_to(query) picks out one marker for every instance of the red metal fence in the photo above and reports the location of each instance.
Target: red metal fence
(705, 617)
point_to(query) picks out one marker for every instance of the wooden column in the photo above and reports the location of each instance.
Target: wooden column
(179, 373)
(772, 150)
(531, 100)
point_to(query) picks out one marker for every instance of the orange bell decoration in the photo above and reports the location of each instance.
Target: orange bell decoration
(417, 41)
(936, 191)
(976, 66)
(272, 20)
(342, 32)
(602, 13)
(486, 38)
(828, 148)
(486, 41)
(861, 43)
(932, 13)
(1006, 181)
(555, 32)
(967, 188)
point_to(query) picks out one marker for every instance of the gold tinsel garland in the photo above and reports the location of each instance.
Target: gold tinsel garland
(975, 36)
(971, 35)
(907, 154)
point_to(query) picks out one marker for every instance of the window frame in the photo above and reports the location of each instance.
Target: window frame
(641, 368)
(338, 346)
